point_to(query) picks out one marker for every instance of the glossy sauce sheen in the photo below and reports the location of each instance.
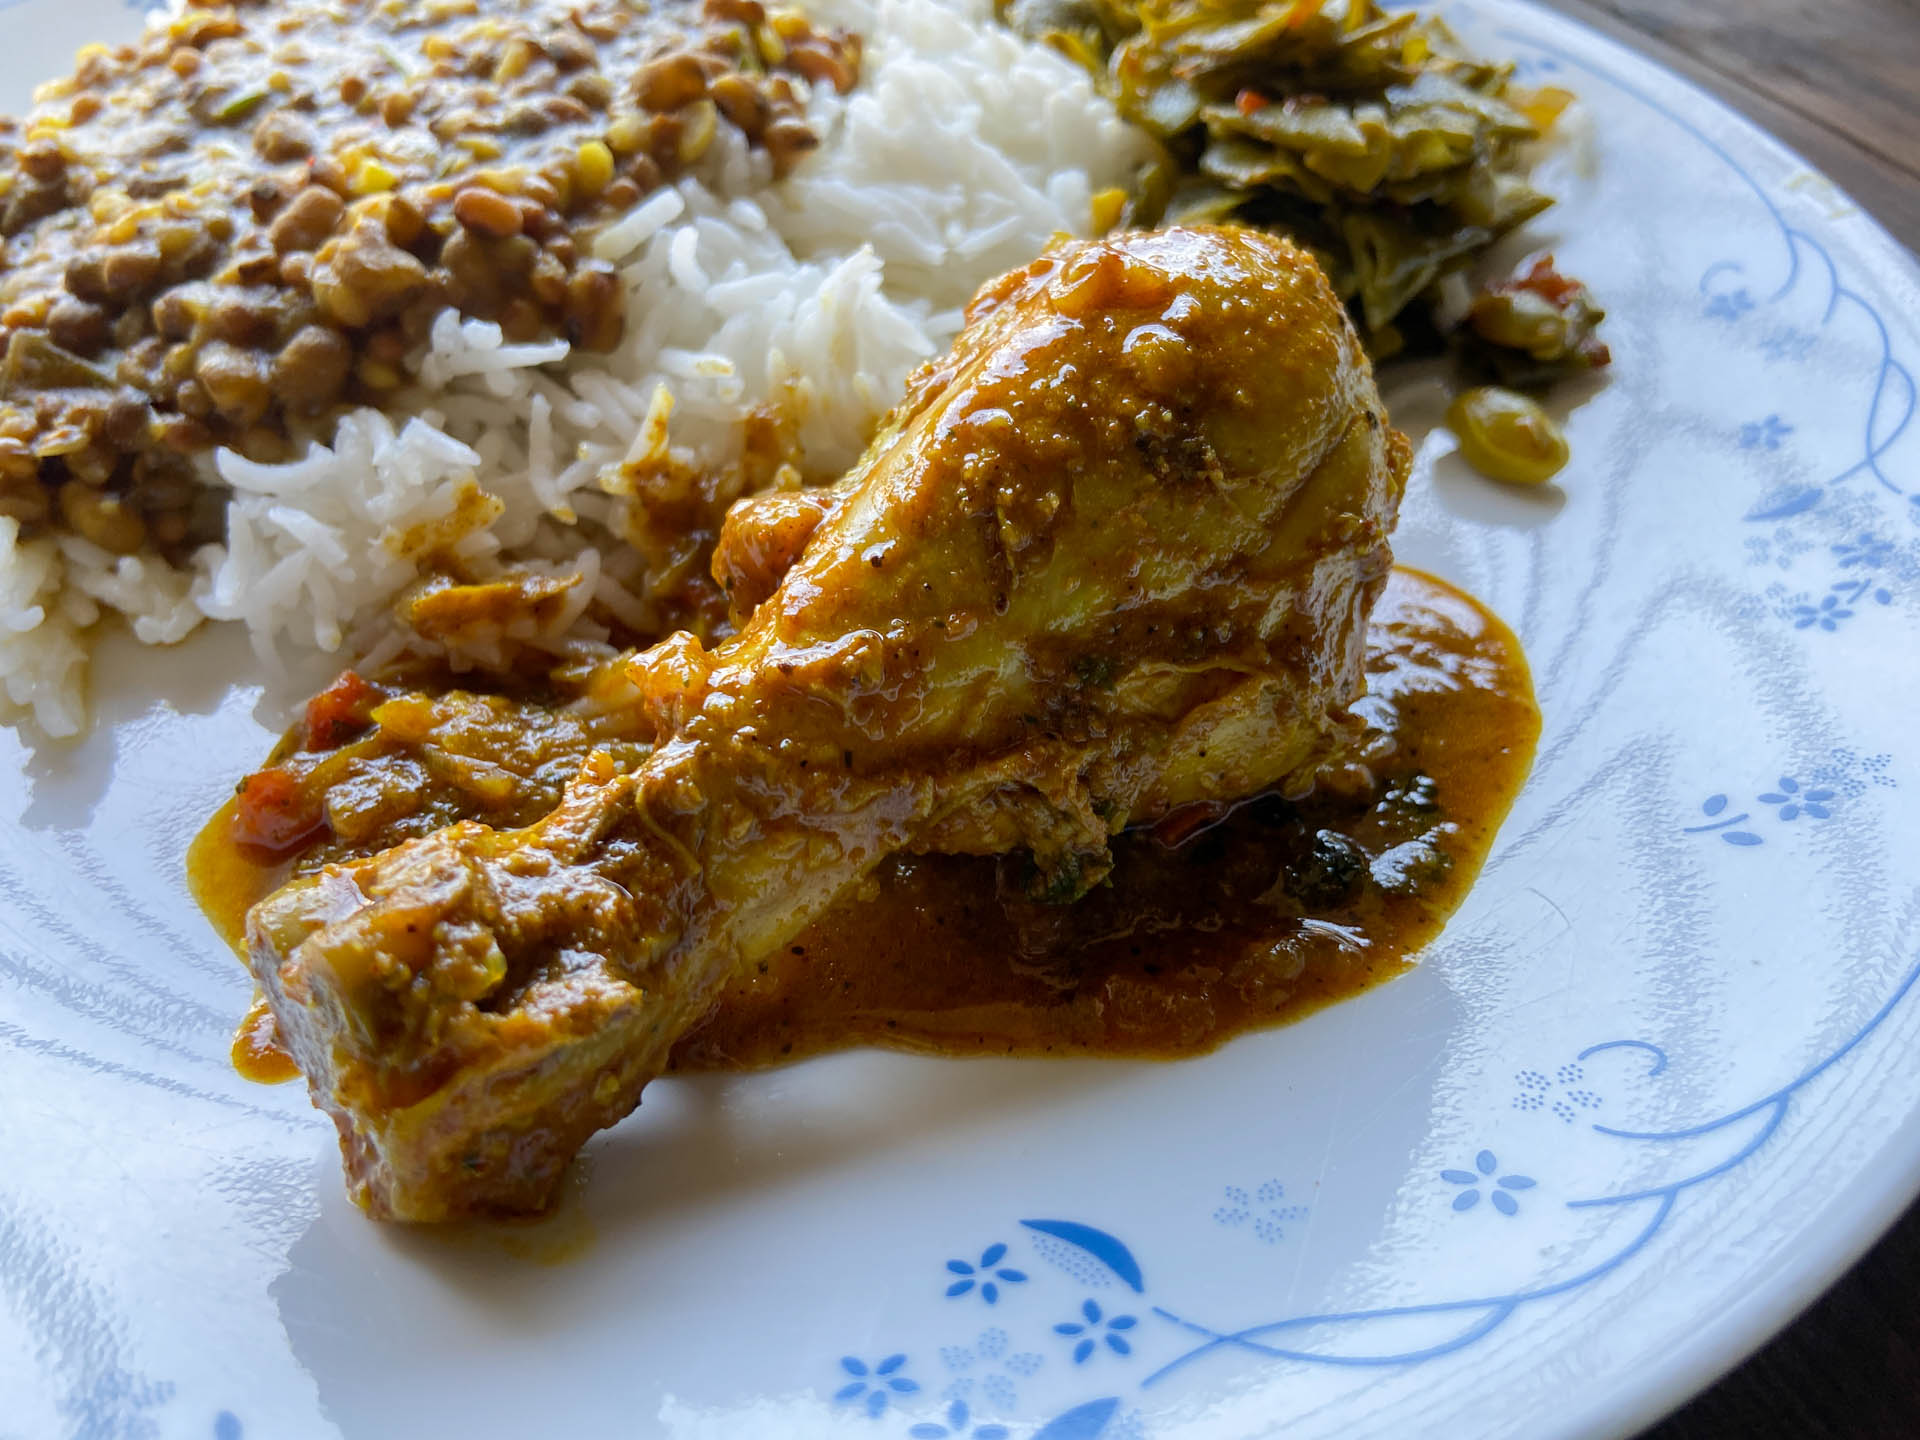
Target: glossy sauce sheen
(1209, 925)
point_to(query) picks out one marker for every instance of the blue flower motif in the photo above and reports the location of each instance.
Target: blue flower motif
(1764, 434)
(1866, 552)
(1731, 305)
(1794, 802)
(1827, 614)
(872, 1386)
(1713, 807)
(1093, 1328)
(988, 1274)
(956, 1425)
(1484, 1164)
(1861, 587)
(1270, 1218)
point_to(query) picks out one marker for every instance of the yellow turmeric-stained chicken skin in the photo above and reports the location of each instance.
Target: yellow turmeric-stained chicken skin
(1112, 555)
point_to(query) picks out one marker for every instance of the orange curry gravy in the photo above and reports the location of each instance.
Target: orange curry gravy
(1212, 922)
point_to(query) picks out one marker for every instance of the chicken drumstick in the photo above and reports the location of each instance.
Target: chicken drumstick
(1114, 554)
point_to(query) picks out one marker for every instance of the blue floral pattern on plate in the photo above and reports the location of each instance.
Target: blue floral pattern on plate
(1476, 1316)
(874, 1386)
(1095, 1327)
(1828, 788)
(1501, 1190)
(957, 1422)
(1565, 1095)
(1263, 1207)
(987, 1273)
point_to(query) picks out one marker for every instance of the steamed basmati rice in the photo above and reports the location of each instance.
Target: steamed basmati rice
(961, 154)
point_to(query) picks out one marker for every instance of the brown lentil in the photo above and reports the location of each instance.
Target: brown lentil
(218, 235)
(486, 211)
(106, 520)
(307, 221)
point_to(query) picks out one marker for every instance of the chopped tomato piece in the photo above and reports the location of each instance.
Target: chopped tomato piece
(1573, 300)
(341, 711)
(1247, 102)
(1548, 283)
(275, 812)
(1503, 320)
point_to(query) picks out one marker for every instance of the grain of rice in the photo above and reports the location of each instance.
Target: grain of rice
(620, 240)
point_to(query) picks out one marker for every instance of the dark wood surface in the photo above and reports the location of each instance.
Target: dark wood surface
(1839, 81)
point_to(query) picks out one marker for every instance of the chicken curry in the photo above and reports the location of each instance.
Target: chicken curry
(1058, 663)
(1218, 920)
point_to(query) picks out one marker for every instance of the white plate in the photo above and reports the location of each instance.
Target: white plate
(1668, 1042)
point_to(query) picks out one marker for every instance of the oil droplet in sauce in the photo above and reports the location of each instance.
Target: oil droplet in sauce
(1215, 922)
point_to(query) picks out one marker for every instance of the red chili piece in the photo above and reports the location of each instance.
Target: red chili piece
(340, 712)
(274, 812)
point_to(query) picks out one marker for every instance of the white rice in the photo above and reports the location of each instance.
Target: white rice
(963, 151)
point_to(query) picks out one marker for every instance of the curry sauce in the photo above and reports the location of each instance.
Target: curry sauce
(1211, 923)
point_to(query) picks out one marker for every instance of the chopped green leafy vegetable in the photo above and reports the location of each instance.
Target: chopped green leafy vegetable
(1376, 140)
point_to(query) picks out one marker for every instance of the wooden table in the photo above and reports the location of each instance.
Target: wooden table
(1839, 81)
